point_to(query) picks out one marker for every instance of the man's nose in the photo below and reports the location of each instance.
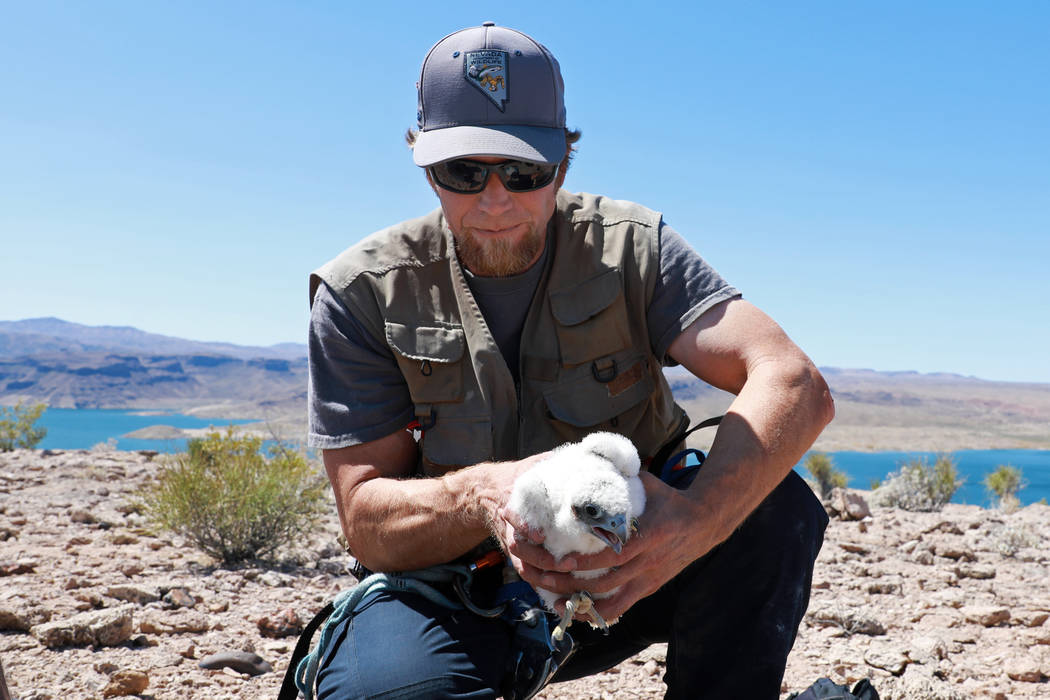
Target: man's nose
(495, 198)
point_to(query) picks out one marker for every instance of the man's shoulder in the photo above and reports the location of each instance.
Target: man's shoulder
(587, 207)
(411, 243)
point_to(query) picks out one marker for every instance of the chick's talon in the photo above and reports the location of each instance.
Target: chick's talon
(597, 620)
(579, 602)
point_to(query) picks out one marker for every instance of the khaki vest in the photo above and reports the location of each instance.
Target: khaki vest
(586, 362)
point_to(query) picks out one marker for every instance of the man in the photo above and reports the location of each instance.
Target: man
(517, 317)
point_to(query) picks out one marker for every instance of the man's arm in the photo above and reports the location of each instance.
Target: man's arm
(782, 403)
(396, 523)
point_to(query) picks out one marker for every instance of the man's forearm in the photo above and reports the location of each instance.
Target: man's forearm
(404, 524)
(397, 525)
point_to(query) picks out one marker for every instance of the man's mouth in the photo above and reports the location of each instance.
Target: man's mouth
(496, 231)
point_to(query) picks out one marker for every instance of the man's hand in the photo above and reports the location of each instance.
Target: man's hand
(669, 538)
(514, 535)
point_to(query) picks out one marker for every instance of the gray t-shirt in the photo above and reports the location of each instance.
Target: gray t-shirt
(357, 393)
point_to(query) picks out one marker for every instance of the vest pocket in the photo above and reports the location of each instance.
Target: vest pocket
(583, 400)
(591, 318)
(455, 441)
(430, 358)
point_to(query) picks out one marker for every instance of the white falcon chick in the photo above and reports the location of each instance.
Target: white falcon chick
(584, 497)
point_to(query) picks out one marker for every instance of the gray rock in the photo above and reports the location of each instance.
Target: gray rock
(133, 594)
(986, 615)
(275, 579)
(977, 572)
(851, 620)
(917, 686)
(20, 566)
(848, 505)
(888, 659)
(949, 549)
(884, 588)
(927, 650)
(82, 515)
(1031, 618)
(333, 567)
(1025, 669)
(240, 661)
(179, 598)
(177, 621)
(126, 682)
(107, 627)
(285, 623)
(19, 616)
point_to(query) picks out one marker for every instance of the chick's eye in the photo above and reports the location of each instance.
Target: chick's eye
(592, 511)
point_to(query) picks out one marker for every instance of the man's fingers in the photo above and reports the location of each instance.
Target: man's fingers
(618, 603)
(608, 558)
(522, 530)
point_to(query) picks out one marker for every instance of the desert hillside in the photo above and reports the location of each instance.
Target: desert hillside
(68, 365)
(931, 606)
(907, 411)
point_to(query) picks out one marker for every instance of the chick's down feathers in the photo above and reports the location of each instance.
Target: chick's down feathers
(584, 497)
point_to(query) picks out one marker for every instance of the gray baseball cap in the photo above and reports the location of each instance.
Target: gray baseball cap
(490, 91)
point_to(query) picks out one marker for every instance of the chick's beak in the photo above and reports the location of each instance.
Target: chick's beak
(611, 528)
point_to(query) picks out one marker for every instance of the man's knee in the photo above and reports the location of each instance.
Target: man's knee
(790, 520)
(403, 646)
(773, 549)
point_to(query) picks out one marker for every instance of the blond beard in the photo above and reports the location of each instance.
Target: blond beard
(487, 257)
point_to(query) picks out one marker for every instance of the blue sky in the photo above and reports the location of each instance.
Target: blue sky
(875, 175)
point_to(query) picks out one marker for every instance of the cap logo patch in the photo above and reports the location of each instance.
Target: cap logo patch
(487, 71)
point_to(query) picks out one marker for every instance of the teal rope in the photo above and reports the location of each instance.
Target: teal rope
(347, 602)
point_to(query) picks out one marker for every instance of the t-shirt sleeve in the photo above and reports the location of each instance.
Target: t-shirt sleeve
(356, 391)
(686, 288)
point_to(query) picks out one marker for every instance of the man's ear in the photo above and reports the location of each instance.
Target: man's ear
(559, 180)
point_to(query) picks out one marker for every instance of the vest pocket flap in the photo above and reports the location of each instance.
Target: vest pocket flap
(584, 402)
(574, 305)
(434, 343)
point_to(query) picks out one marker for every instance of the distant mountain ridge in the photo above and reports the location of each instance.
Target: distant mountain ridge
(35, 336)
(908, 411)
(69, 365)
(230, 386)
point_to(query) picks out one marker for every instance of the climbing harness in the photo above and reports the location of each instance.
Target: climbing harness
(675, 470)
(536, 655)
(535, 659)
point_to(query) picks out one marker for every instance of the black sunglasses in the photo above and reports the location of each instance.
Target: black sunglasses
(469, 176)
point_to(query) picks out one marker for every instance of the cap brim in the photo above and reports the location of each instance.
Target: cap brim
(532, 143)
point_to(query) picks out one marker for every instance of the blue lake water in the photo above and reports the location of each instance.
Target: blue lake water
(71, 429)
(83, 428)
(973, 465)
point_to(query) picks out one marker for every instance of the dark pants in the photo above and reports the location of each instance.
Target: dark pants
(729, 618)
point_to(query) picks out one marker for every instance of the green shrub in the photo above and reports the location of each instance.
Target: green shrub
(822, 467)
(233, 502)
(1011, 538)
(16, 426)
(919, 486)
(1004, 483)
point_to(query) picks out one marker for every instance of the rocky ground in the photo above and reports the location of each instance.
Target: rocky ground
(928, 605)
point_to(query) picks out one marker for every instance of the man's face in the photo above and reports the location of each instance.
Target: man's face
(499, 233)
